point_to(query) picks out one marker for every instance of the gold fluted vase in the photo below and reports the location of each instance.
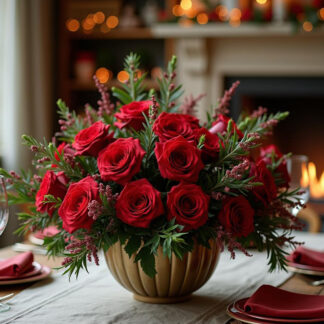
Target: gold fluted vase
(175, 279)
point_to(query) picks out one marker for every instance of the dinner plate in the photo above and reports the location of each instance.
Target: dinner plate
(45, 272)
(36, 269)
(305, 269)
(236, 311)
(239, 306)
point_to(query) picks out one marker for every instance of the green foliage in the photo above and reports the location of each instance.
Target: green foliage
(143, 244)
(169, 93)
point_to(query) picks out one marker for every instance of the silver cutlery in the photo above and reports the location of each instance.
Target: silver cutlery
(317, 282)
(22, 247)
(6, 297)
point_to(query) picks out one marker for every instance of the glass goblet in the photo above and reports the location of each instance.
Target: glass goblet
(298, 170)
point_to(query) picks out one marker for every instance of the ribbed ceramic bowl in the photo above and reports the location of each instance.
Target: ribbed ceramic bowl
(175, 279)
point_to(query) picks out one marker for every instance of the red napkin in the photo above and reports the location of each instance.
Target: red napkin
(306, 256)
(49, 231)
(274, 302)
(17, 265)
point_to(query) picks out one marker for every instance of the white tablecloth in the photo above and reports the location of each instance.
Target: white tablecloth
(97, 298)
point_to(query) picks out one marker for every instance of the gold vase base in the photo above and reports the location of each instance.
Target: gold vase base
(162, 300)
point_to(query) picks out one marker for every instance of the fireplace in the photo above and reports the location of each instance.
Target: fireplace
(303, 97)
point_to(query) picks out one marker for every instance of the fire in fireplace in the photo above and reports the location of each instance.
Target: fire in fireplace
(303, 131)
(316, 185)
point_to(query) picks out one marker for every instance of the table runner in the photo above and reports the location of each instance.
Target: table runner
(97, 298)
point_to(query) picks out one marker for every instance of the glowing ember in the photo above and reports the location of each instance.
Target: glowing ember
(309, 177)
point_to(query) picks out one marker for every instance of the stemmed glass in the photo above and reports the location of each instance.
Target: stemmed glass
(4, 216)
(4, 209)
(298, 169)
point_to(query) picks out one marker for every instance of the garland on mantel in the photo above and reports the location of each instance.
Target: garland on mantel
(302, 16)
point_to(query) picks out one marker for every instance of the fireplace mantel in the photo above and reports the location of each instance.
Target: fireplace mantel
(214, 30)
(207, 54)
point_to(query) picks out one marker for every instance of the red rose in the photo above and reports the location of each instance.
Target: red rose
(131, 115)
(178, 160)
(168, 126)
(139, 203)
(220, 126)
(52, 184)
(270, 154)
(74, 208)
(268, 191)
(237, 216)
(210, 150)
(121, 160)
(188, 204)
(91, 140)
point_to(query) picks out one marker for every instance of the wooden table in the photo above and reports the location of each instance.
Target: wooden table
(298, 283)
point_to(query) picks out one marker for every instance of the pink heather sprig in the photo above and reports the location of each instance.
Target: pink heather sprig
(269, 124)
(153, 110)
(43, 159)
(189, 104)
(34, 148)
(223, 236)
(107, 192)
(65, 124)
(224, 102)
(88, 118)
(105, 105)
(254, 139)
(15, 175)
(94, 209)
(259, 112)
(77, 247)
(237, 171)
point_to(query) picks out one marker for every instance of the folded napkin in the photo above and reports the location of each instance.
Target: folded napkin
(306, 256)
(274, 302)
(49, 231)
(17, 265)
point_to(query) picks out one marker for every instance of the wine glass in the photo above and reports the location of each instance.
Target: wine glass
(4, 209)
(297, 167)
(4, 216)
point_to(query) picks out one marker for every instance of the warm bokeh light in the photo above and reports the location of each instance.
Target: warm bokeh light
(156, 72)
(123, 76)
(316, 186)
(72, 25)
(88, 23)
(185, 4)
(191, 13)
(321, 13)
(222, 13)
(261, 1)
(177, 11)
(103, 75)
(99, 17)
(112, 22)
(202, 18)
(308, 26)
(235, 14)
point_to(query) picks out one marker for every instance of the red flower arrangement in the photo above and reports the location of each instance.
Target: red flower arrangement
(144, 175)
